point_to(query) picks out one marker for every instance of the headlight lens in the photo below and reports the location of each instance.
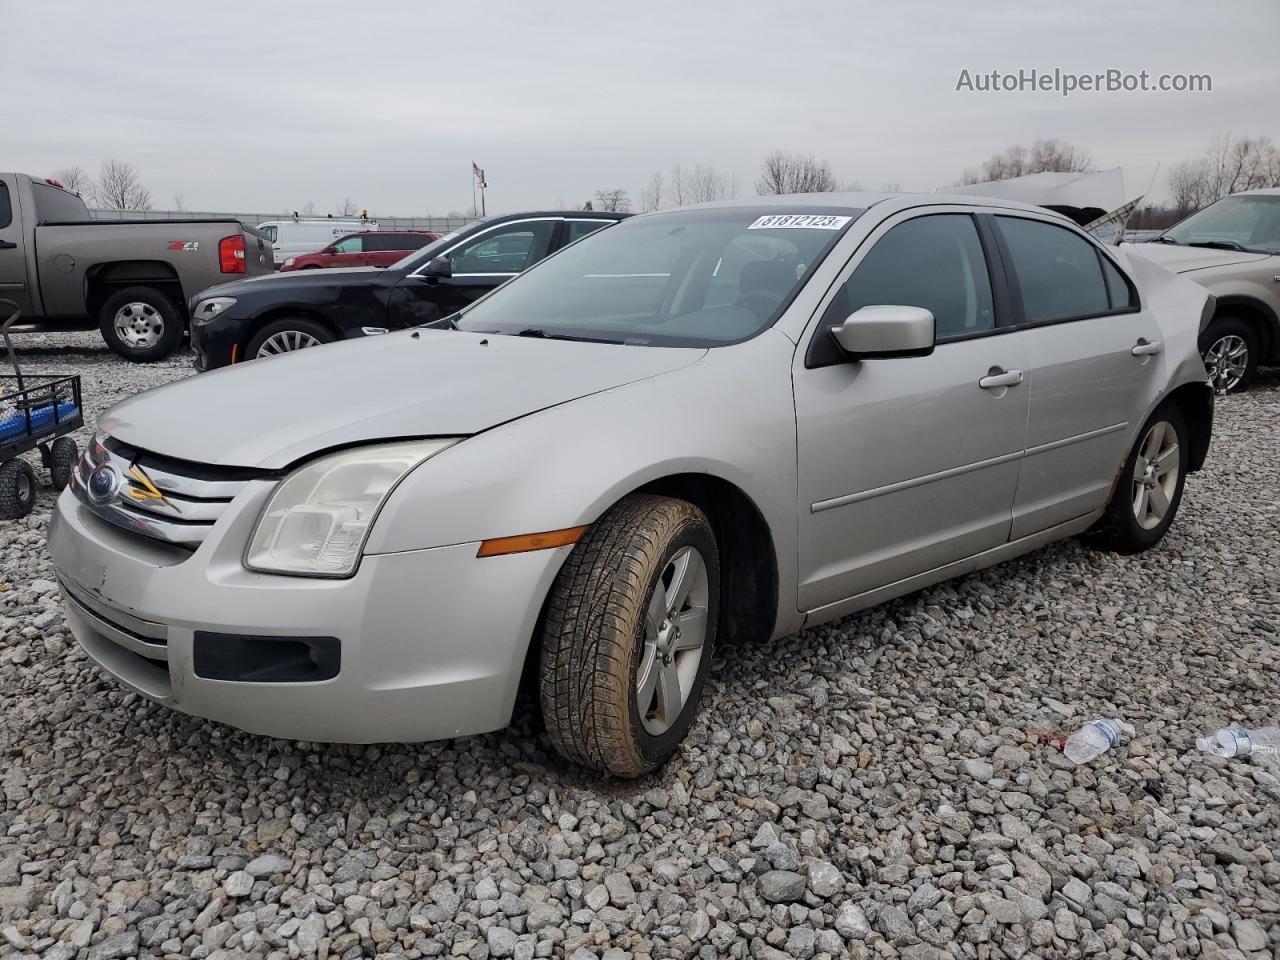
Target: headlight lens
(291, 261)
(318, 519)
(206, 310)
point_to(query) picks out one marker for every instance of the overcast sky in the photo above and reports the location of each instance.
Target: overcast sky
(264, 106)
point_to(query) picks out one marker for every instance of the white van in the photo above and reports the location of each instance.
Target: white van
(292, 237)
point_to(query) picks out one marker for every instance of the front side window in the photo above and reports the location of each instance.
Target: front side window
(270, 232)
(684, 278)
(1058, 271)
(935, 262)
(1249, 223)
(508, 249)
(352, 244)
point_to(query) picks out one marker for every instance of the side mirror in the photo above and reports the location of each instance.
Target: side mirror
(886, 330)
(437, 268)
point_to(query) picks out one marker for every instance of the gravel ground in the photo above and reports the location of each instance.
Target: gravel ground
(881, 786)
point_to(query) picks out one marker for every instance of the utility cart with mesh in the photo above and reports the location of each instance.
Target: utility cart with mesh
(37, 411)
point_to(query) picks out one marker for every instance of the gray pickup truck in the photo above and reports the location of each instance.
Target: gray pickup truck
(132, 278)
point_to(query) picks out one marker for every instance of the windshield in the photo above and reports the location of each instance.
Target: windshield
(685, 278)
(1250, 223)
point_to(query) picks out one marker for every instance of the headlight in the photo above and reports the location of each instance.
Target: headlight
(290, 262)
(206, 310)
(318, 519)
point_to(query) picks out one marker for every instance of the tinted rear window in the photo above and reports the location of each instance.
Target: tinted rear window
(54, 205)
(1058, 271)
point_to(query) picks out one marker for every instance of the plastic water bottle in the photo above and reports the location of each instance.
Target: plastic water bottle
(1092, 740)
(1263, 742)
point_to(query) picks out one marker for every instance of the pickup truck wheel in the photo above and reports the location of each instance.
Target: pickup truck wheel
(627, 636)
(17, 489)
(1230, 348)
(286, 336)
(141, 324)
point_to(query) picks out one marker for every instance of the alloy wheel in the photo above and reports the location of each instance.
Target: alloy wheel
(1226, 360)
(1156, 470)
(286, 341)
(675, 631)
(139, 325)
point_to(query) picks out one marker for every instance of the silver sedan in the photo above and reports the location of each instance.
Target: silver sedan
(693, 428)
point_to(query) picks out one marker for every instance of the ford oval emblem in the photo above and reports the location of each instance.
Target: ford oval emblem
(102, 483)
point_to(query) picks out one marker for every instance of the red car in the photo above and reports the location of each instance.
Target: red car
(370, 248)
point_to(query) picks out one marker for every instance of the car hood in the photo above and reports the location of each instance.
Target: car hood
(422, 383)
(1185, 259)
(295, 279)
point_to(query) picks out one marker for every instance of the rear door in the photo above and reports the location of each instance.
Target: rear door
(13, 259)
(1096, 358)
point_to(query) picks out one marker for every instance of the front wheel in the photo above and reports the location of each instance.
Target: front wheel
(1150, 486)
(286, 336)
(1229, 347)
(628, 635)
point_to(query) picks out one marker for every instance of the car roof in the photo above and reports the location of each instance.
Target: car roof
(861, 200)
(1260, 192)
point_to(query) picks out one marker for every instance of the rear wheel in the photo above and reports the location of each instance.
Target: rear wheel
(62, 460)
(1230, 347)
(141, 324)
(286, 336)
(17, 489)
(1147, 495)
(628, 636)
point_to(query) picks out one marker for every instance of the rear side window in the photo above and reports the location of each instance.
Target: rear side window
(1059, 273)
(55, 205)
(1119, 293)
(580, 228)
(6, 210)
(935, 262)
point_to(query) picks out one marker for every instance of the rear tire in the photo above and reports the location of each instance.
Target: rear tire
(62, 460)
(141, 324)
(286, 336)
(1230, 347)
(620, 675)
(17, 489)
(1149, 490)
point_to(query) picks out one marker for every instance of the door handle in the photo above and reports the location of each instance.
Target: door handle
(997, 377)
(1146, 348)
(8, 245)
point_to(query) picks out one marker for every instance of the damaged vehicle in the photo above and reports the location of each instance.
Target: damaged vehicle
(691, 429)
(1232, 248)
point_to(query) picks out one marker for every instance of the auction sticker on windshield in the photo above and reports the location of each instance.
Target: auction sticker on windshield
(807, 221)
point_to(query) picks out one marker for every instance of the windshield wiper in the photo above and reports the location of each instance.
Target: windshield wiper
(1218, 245)
(441, 323)
(541, 334)
(1164, 240)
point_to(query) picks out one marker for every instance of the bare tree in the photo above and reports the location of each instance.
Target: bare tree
(178, 202)
(76, 179)
(615, 200)
(1043, 156)
(651, 196)
(1227, 167)
(785, 172)
(679, 191)
(309, 208)
(347, 208)
(706, 183)
(119, 187)
(1189, 185)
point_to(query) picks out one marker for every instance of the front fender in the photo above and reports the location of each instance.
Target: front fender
(731, 415)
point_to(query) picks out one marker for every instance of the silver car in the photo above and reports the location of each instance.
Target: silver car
(1232, 248)
(693, 428)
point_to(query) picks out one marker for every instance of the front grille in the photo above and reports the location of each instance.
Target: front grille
(160, 497)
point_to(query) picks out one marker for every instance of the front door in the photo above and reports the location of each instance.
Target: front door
(479, 263)
(908, 464)
(13, 262)
(1098, 360)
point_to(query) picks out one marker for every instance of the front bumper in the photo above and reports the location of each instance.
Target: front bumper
(214, 343)
(432, 642)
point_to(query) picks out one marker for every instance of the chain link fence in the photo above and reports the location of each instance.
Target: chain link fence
(432, 224)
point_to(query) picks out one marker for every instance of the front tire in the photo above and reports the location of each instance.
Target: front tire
(628, 635)
(1150, 487)
(141, 324)
(286, 336)
(1230, 348)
